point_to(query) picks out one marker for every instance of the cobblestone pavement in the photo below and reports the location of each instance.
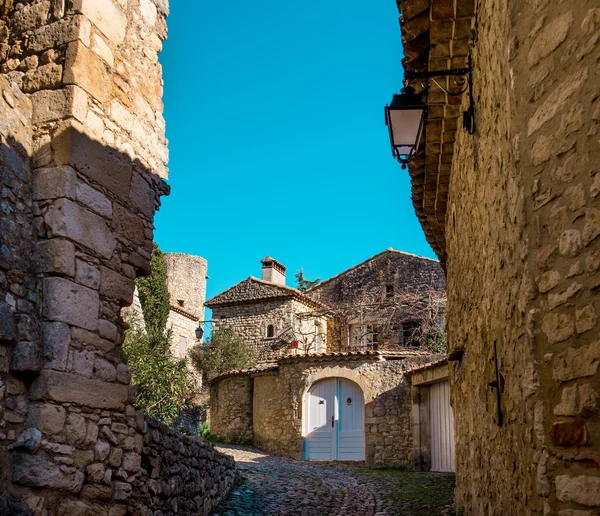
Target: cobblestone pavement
(272, 485)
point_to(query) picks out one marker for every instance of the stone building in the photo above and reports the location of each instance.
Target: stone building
(391, 301)
(330, 383)
(513, 212)
(270, 316)
(82, 164)
(293, 407)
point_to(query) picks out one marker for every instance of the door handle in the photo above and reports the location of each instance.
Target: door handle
(332, 421)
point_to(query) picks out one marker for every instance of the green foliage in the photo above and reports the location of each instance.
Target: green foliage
(153, 293)
(165, 385)
(302, 284)
(205, 429)
(224, 351)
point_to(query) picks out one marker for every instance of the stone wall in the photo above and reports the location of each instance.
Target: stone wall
(523, 262)
(359, 295)
(250, 321)
(83, 162)
(231, 408)
(183, 475)
(278, 398)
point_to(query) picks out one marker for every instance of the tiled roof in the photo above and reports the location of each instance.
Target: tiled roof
(435, 36)
(254, 289)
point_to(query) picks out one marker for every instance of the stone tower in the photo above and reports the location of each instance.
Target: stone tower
(186, 283)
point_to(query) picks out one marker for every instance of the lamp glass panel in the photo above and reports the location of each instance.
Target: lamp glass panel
(405, 126)
(404, 150)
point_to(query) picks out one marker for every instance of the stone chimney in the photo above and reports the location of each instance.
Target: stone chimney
(273, 271)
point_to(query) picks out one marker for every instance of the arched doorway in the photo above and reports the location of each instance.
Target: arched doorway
(334, 426)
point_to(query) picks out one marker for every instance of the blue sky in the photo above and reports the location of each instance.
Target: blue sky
(278, 144)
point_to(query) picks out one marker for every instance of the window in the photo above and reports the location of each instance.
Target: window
(363, 336)
(182, 347)
(411, 334)
(270, 331)
(181, 302)
(389, 291)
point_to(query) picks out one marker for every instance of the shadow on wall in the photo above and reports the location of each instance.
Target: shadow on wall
(76, 229)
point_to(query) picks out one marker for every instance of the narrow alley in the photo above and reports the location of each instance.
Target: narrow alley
(272, 485)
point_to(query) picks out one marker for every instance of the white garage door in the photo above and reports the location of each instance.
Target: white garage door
(335, 427)
(442, 428)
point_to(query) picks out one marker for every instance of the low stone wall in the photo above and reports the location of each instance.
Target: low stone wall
(183, 475)
(275, 410)
(231, 409)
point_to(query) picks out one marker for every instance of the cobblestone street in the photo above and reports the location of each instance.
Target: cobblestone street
(272, 485)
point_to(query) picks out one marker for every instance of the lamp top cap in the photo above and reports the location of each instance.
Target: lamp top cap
(407, 98)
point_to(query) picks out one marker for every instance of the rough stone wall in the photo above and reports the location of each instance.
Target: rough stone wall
(359, 295)
(190, 478)
(250, 320)
(184, 332)
(231, 408)
(186, 281)
(71, 440)
(277, 406)
(523, 261)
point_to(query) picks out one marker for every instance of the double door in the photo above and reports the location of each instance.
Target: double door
(334, 426)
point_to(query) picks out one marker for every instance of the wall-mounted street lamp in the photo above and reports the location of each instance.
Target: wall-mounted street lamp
(200, 329)
(406, 115)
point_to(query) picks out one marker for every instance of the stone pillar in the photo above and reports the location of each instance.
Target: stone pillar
(98, 156)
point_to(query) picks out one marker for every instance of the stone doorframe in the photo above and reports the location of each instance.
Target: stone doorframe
(327, 373)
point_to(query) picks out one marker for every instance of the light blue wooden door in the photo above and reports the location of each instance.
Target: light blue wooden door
(320, 430)
(334, 421)
(351, 425)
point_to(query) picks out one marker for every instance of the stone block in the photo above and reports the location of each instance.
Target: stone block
(94, 200)
(26, 357)
(30, 17)
(60, 33)
(43, 78)
(549, 38)
(69, 388)
(87, 275)
(7, 323)
(56, 255)
(103, 50)
(36, 471)
(128, 224)
(142, 196)
(105, 15)
(569, 433)
(85, 69)
(92, 339)
(28, 327)
(116, 286)
(50, 419)
(56, 343)
(585, 319)
(54, 183)
(75, 429)
(102, 450)
(80, 508)
(70, 303)
(104, 370)
(584, 490)
(107, 330)
(53, 105)
(577, 362)
(148, 11)
(132, 462)
(123, 374)
(103, 165)
(67, 219)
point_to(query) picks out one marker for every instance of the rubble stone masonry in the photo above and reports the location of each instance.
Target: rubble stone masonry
(523, 264)
(83, 165)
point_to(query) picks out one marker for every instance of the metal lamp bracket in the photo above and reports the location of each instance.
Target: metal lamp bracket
(463, 78)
